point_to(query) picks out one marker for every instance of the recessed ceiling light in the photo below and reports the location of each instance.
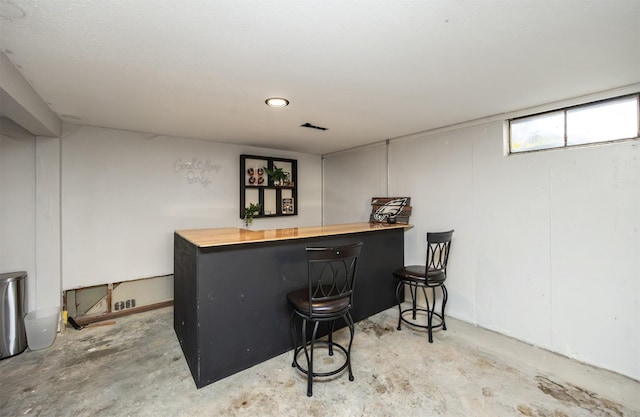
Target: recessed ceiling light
(277, 102)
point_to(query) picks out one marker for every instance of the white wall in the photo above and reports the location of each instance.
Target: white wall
(547, 245)
(124, 193)
(30, 212)
(17, 204)
(48, 244)
(353, 178)
(100, 205)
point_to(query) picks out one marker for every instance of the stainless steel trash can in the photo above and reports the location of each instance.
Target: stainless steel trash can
(13, 338)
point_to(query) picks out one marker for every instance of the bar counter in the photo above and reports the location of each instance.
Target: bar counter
(205, 238)
(230, 286)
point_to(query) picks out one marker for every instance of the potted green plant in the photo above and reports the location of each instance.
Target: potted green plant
(250, 212)
(276, 174)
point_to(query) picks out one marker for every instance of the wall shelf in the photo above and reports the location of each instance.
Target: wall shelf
(256, 187)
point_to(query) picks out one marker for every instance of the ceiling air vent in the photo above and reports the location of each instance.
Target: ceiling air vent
(309, 125)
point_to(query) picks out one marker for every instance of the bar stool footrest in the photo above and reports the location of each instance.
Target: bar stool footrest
(304, 370)
(439, 322)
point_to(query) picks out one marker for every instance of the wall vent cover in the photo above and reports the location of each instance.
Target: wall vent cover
(309, 125)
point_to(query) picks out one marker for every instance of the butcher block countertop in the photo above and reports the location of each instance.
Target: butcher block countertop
(205, 238)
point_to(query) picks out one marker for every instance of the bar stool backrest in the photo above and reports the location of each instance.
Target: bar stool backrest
(331, 275)
(438, 245)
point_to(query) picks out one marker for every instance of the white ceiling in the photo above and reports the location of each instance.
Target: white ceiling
(367, 70)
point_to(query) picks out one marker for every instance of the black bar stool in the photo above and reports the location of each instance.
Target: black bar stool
(327, 298)
(431, 275)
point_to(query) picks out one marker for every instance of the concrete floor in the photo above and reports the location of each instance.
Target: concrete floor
(136, 368)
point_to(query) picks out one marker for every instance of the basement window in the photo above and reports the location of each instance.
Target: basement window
(602, 121)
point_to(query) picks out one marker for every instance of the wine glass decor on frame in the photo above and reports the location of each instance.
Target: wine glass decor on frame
(255, 175)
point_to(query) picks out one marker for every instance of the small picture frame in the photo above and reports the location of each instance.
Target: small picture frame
(287, 206)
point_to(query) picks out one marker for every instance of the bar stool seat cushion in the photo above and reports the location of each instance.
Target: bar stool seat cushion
(416, 273)
(299, 300)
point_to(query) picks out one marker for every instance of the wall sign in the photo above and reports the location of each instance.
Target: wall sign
(197, 171)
